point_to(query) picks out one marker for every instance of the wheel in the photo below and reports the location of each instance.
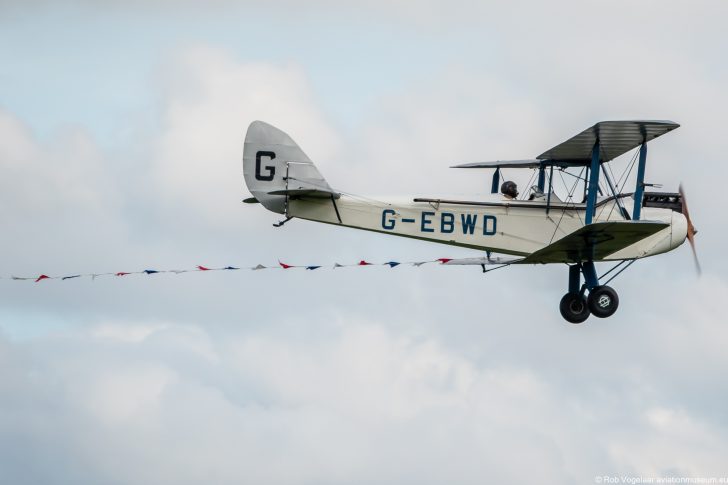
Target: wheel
(574, 308)
(603, 301)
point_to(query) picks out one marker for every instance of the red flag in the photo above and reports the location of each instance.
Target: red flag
(364, 263)
(202, 268)
(121, 273)
(42, 277)
(444, 260)
(284, 265)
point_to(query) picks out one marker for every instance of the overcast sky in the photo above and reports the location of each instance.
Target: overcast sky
(121, 131)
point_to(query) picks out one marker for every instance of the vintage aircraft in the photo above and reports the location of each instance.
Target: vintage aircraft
(605, 225)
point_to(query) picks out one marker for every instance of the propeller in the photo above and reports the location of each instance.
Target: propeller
(691, 229)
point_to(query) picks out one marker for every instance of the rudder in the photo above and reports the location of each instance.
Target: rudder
(275, 168)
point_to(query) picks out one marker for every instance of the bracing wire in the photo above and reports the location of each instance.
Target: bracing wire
(530, 181)
(630, 166)
(570, 196)
(631, 261)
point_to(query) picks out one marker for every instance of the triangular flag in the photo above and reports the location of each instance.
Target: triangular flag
(285, 266)
(337, 265)
(260, 266)
(230, 267)
(312, 267)
(151, 271)
(42, 277)
(120, 273)
(202, 268)
(444, 260)
(392, 264)
(419, 263)
(364, 263)
(70, 277)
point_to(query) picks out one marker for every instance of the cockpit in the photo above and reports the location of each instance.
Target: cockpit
(509, 189)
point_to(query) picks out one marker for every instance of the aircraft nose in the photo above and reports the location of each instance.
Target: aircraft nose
(679, 229)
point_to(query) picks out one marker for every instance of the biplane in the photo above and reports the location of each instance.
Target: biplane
(594, 221)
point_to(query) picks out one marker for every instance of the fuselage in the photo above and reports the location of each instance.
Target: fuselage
(516, 227)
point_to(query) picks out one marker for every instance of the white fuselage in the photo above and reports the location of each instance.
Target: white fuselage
(510, 226)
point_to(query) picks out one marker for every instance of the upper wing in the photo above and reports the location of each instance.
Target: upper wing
(615, 138)
(595, 241)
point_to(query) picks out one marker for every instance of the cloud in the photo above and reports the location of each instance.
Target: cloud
(351, 409)
(209, 102)
(350, 400)
(52, 192)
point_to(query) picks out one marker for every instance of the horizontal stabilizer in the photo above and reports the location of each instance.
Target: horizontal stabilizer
(315, 193)
(595, 241)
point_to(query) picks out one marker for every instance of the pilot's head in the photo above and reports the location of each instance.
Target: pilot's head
(509, 189)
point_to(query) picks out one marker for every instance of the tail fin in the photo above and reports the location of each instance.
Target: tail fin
(275, 168)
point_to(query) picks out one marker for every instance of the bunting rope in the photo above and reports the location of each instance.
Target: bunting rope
(200, 268)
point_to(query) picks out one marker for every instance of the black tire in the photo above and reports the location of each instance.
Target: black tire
(603, 301)
(574, 308)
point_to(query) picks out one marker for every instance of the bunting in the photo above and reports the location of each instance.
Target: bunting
(257, 267)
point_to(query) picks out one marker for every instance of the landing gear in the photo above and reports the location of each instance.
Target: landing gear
(602, 301)
(574, 308)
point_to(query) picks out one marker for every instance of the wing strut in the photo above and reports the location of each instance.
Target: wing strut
(591, 195)
(640, 188)
(333, 201)
(496, 181)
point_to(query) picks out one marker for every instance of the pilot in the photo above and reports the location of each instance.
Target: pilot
(509, 189)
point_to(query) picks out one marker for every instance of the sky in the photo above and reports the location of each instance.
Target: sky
(121, 135)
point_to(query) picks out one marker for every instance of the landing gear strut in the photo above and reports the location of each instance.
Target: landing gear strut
(602, 301)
